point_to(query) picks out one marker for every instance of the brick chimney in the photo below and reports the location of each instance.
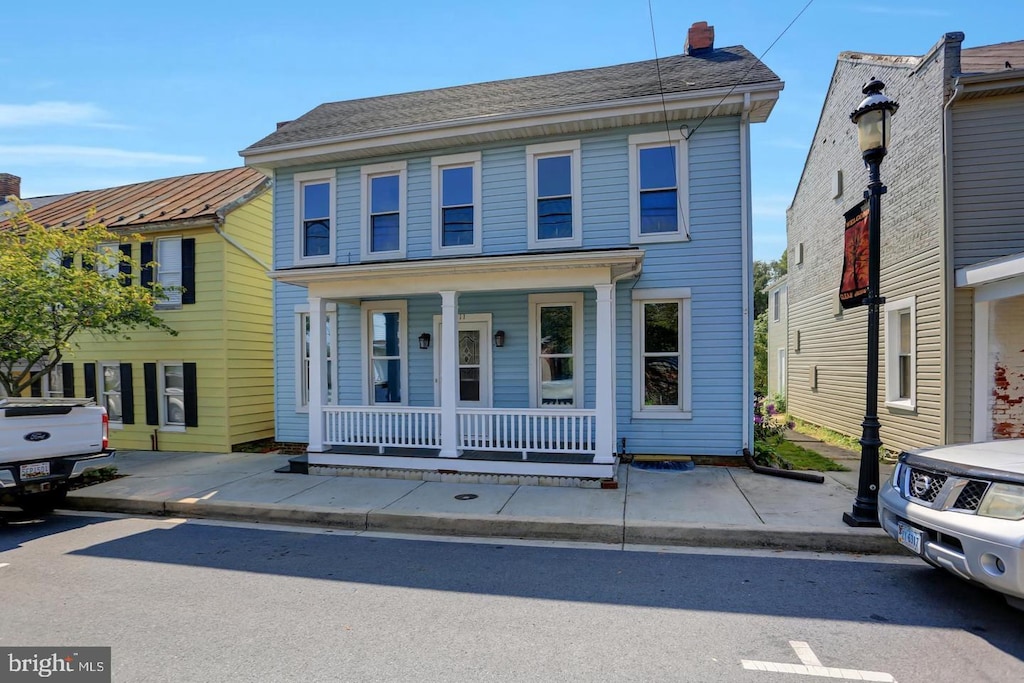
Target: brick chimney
(9, 184)
(700, 38)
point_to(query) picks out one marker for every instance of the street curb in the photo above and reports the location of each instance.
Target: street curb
(863, 541)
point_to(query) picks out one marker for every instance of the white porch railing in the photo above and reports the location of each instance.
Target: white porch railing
(382, 426)
(544, 431)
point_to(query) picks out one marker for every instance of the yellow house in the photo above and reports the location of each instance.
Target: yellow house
(210, 387)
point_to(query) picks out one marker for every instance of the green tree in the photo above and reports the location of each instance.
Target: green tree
(45, 300)
(761, 354)
(765, 274)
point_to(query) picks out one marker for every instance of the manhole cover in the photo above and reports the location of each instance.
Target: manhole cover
(466, 496)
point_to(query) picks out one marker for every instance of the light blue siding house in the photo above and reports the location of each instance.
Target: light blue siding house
(526, 277)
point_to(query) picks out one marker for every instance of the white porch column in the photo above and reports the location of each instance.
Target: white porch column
(604, 402)
(449, 375)
(317, 372)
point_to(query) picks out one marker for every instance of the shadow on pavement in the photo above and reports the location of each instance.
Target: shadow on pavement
(18, 527)
(866, 592)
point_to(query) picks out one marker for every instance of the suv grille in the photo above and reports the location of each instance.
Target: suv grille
(971, 495)
(925, 485)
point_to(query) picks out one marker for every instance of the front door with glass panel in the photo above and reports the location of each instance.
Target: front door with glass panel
(474, 362)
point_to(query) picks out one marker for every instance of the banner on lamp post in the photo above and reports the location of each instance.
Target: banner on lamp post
(853, 289)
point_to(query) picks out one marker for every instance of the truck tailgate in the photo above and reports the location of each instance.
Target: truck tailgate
(28, 432)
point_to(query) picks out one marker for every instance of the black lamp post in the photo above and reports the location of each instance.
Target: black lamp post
(873, 118)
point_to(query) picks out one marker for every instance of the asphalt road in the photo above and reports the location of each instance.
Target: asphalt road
(193, 601)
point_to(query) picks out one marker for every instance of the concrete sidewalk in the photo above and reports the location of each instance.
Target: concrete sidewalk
(706, 506)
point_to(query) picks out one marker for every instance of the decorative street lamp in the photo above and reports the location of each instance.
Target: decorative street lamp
(873, 118)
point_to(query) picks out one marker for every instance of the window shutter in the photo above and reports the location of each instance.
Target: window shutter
(146, 276)
(127, 395)
(152, 402)
(68, 376)
(191, 396)
(125, 269)
(37, 387)
(188, 270)
(90, 380)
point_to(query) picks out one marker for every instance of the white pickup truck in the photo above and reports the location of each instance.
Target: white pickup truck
(44, 444)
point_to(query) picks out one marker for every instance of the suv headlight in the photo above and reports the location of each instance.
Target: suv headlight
(1004, 501)
(894, 478)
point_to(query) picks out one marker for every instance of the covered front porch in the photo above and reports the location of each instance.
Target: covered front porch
(469, 420)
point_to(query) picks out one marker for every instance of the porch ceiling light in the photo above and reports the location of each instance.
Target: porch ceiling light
(424, 341)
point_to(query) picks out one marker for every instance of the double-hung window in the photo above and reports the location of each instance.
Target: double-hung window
(172, 395)
(658, 187)
(385, 352)
(556, 350)
(314, 217)
(456, 204)
(108, 262)
(168, 271)
(304, 360)
(383, 211)
(661, 353)
(110, 390)
(901, 354)
(554, 195)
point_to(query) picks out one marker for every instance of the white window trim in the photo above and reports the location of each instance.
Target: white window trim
(302, 310)
(776, 304)
(101, 267)
(684, 411)
(660, 139)
(437, 165)
(892, 353)
(160, 374)
(549, 149)
(366, 174)
(100, 389)
(368, 308)
(536, 301)
(486, 354)
(308, 178)
(163, 304)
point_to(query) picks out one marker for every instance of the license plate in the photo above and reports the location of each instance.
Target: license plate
(35, 470)
(910, 537)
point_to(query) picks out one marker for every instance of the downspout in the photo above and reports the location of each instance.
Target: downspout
(748, 284)
(948, 285)
(218, 223)
(631, 273)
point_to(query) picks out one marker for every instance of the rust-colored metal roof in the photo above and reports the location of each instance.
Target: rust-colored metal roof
(137, 206)
(992, 58)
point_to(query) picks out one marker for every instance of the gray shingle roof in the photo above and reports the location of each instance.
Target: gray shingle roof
(723, 67)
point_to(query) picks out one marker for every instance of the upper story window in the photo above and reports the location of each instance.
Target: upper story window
(168, 271)
(314, 217)
(108, 263)
(456, 204)
(776, 304)
(658, 188)
(554, 195)
(383, 211)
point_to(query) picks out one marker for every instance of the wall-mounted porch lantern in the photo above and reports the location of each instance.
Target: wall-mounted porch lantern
(424, 341)
(499, 338)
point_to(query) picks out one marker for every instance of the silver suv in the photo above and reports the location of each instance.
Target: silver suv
(961, 508)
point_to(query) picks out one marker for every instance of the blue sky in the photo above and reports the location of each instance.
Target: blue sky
(102, 93)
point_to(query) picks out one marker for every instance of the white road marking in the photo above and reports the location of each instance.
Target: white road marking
(811, 666)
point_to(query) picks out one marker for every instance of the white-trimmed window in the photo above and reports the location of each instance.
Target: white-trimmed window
(303, 359)
(384, 352)
(315, 209)
(554, 194)
(110, 390)
(172, 396)
(661, 353)
(776, 304)
(168, 271)
(556, 350)
(901, 354)
(383, 211)
(455, 222)
(658, 187)
(110, 259)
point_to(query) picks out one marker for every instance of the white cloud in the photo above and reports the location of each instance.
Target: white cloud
(92, 157)
(51, 114)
